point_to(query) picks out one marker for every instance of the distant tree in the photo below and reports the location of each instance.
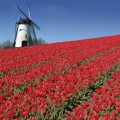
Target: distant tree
(38, 41)
(6, 44)
(41, 41)
(34, 42)
(1, 46)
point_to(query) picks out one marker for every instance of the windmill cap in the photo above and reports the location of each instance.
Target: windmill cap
(24, 21)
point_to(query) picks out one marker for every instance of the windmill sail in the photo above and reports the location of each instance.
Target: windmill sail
(29, 11)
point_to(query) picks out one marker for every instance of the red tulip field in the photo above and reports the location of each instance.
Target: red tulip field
(75, 80)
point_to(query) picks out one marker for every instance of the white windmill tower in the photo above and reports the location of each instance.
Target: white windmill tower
(25, 30)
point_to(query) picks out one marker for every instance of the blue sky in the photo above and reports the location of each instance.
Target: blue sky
(63, 20)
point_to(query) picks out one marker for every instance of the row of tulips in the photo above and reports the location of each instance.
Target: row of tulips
(44, 49)
(103, 104)
(34, 74)
(35, 55)
(30, 74)
(68, 86)
(35, 100)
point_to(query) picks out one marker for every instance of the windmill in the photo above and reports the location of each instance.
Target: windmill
(25, 30)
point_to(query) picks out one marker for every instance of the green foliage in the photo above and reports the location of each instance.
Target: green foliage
(1, 74)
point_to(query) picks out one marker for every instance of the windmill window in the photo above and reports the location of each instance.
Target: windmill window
(26, 36)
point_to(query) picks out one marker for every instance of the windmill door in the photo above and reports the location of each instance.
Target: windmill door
(24, 43)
